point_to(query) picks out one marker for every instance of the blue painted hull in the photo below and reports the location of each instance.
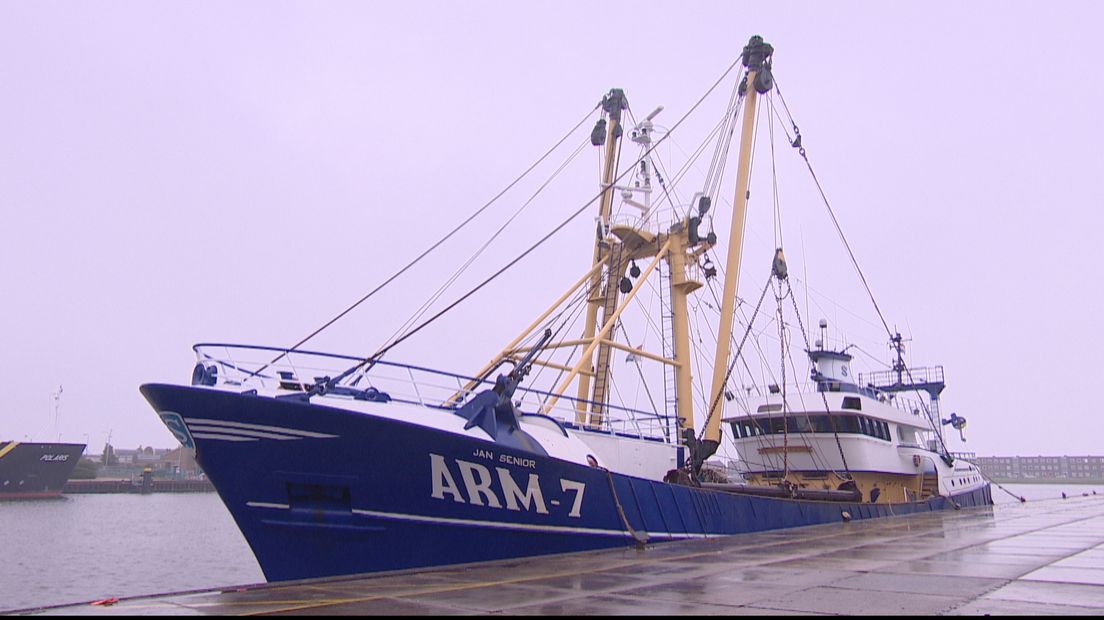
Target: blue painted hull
(353, 493)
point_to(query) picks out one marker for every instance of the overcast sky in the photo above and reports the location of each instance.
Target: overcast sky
(172, 173)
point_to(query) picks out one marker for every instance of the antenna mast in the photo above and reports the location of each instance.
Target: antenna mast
(57, 408)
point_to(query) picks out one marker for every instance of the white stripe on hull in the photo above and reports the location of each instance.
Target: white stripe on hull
(204, 428)
(554, 529)
(237, 426)
(222, 437)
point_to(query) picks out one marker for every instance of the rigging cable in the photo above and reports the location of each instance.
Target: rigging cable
(575, 306)
(732, 365)
(779, 297)
(375, 356)
(801, 151)
(640, 371)
(827, 408)
(432, 247)
(444, 287)
(783, 336)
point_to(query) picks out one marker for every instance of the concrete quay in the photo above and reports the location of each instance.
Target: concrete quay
(1043, 557)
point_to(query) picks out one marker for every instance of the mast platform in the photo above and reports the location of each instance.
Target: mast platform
(1042, 557)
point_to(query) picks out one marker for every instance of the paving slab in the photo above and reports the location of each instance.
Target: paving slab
(831, 600)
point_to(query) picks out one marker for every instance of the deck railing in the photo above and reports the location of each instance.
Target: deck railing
(250, 366)
(883, 379)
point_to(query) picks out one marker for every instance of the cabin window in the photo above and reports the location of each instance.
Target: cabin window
(850, 424)
(800, 424)
(852, 402)
(835, 423)
(769, 408)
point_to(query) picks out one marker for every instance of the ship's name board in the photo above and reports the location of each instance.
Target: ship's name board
(50, 458)
(479, 487)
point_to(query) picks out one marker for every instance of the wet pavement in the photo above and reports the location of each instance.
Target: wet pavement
(1042, 557)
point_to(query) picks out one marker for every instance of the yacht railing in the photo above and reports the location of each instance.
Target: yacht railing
(249, 366)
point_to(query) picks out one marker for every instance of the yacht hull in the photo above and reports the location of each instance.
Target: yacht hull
(320, 491)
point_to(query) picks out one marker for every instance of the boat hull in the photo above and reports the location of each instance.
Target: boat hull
(320, 491)
(36, 470)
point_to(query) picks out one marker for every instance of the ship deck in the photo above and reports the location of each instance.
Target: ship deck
(1043, 557)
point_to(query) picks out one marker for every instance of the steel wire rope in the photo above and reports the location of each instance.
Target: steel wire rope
(574, 318)
(824, 397)
(448, 283)
(786, 352)
(936, 429)
(784, 348)
(759, 349)
(691, 159)
(640, 372)
(433, 247)
(760, 437)
(713, 335)
(762, 357)
(649, 324)
(835, 304)
(701, 358)
(573, 305)
(566, 326)
(383, 350)
(661, 169)
(814, 454)
(716, 399)
(731, 112)
(785, 404)
(774, 174)
(728, 373)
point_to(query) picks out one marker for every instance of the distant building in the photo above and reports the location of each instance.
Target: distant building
(1085, 466)
(181, 463)
(1042, 467)
(163, 462)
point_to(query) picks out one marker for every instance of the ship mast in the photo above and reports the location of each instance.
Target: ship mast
(609, 291)
(757, 59)
(608, 251)
(619, 245)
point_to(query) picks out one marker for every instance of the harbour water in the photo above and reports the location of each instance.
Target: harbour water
(89, 547)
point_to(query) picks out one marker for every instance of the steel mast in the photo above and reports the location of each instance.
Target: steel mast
(608, 251)
(757, 59)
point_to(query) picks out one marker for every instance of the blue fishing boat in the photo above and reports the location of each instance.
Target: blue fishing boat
(338, 464)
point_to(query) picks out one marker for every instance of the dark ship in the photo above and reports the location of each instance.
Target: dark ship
(36, 470)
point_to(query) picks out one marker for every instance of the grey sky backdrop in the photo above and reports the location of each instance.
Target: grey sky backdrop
(180, 172)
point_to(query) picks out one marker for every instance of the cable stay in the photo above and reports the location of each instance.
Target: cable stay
(431, 248)
(367, 362)
(900, 367)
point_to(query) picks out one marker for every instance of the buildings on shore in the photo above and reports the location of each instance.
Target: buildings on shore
(175, 463)
(1064, 468)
